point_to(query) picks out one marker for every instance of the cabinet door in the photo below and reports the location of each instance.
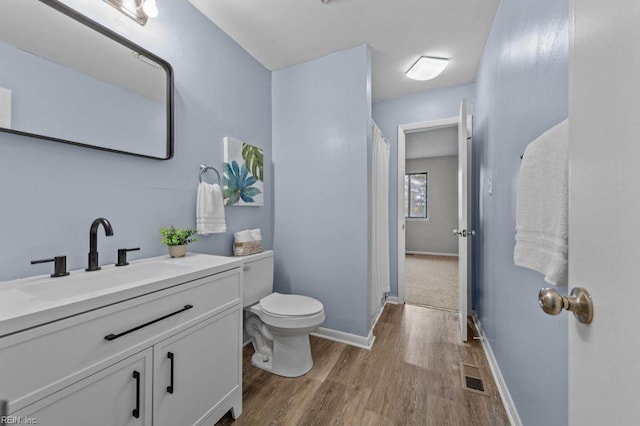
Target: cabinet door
(107, 398)
(196, 369)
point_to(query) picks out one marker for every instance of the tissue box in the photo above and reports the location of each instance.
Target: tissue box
(244, 249)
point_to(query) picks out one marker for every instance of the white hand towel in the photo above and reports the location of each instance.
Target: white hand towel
(242, 237)
(542, 206)
(210, 209)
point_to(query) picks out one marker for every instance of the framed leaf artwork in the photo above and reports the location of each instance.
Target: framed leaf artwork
(243, 174)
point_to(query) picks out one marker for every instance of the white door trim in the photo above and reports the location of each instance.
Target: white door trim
(403, 129)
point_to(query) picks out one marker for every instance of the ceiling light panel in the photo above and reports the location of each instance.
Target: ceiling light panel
(427, 68)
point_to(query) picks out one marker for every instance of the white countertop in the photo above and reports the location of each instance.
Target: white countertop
(33, 301)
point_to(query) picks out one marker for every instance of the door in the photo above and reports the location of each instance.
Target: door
(119, 395)
(604, 207)
(195, 369)
(464, 231)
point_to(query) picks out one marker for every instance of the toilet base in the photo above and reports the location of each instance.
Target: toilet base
(291, 356)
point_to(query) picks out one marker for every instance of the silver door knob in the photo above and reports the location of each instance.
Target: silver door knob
(579, 303)
(464, 233)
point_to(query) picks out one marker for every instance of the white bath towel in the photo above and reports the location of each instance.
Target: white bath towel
(542, 206)
(210, 209)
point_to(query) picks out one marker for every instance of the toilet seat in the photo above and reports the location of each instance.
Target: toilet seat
(290, 305)
(303, 312)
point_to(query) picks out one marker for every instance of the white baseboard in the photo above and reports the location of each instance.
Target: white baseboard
(342, 337)
(392, 299)
(507, 401)
(354, 339)
(431, 253)
(347, 338)
(375, 321)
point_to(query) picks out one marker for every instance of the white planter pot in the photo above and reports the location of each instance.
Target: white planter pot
(178, 251)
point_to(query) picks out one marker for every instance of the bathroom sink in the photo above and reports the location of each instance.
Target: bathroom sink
(30, 302)
(109, 278)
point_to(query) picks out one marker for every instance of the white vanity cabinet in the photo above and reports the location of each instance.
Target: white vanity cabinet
(171, 355)
(118, 395)
(194, 369)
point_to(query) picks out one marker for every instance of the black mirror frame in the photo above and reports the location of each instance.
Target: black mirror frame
(75, 15)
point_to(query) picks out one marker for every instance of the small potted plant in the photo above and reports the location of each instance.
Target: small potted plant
(177, 239)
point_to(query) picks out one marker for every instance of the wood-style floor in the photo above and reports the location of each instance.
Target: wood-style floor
(410, 377)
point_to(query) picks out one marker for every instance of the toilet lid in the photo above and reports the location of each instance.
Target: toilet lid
(290, 305)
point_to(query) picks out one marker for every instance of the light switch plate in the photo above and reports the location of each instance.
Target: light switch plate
(5, 108)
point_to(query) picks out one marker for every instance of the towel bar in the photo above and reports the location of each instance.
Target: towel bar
(204, 168)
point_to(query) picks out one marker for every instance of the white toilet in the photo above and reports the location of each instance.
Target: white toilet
(278, 324)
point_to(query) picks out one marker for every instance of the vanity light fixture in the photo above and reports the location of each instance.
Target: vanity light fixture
(138, 10)
(427, 68)
(150, 8)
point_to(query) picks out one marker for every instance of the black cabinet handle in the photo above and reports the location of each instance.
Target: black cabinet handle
(170, 387)
(136, 411)
(113, 336)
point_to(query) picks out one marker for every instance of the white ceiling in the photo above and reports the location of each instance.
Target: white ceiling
(438, 142)
(280, 33)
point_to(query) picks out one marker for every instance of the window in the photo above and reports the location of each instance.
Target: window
(415, 195)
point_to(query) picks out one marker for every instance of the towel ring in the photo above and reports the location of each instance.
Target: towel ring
(204, 168)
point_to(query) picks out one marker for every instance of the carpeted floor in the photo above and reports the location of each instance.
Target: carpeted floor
(432, 281)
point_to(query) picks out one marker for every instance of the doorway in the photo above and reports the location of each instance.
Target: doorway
(431, 213)
(463, 231)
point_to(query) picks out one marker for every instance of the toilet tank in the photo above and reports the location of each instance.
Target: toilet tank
(257, 277)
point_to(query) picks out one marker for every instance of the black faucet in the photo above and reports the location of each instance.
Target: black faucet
(93, 241)
(60, 270)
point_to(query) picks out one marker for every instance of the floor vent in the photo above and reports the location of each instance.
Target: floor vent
(472, 379)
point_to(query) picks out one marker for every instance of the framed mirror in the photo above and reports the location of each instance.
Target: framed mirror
(66, 78)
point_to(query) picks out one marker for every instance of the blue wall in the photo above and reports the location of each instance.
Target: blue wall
(522, 90)
(321, 115)
(426, 106)
(51, 192)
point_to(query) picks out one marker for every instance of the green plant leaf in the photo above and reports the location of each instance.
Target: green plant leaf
(252, 191)
(254, 158)
(233, 199)
(176, 237)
